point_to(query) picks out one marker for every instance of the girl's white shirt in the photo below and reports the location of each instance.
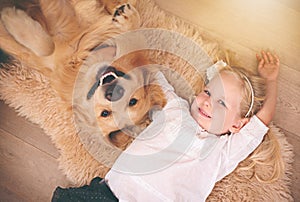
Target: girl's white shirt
(174, 159)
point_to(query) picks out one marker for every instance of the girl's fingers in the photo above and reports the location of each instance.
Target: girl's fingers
(270, 56)
(258, 57)
(277, 61)
(265, 57)
(261, 61)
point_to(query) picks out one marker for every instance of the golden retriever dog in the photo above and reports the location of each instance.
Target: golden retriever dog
(57, 43)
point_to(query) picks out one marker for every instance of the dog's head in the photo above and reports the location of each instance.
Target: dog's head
(122, 96)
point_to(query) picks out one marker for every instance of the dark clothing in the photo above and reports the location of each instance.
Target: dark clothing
(98, 190)
(4, 58)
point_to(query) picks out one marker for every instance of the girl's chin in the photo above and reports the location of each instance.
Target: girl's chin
(207, 127)
(204, 125)
(202, 122)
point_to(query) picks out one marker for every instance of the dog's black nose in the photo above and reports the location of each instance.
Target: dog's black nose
(114, 92)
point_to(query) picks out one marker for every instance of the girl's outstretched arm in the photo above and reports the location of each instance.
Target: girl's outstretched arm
(268, 68)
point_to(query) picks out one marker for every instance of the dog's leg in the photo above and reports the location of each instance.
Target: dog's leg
(126, 17)
(11, 47)
(8, 44)
(61, 19)
(111, 5)
(27, 31)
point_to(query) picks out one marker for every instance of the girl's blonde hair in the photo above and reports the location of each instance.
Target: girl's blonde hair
(268, 154)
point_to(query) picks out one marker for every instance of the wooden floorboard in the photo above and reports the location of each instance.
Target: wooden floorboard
(26, 171)
(24, 130)
(252, 23)
(292, 4)
(9, 196)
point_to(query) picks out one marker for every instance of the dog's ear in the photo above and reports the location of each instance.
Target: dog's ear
(120, 140)
(130, 61)
(157, 97)
(147, 75)
(130, 42)
(149, 72)
(153, 89)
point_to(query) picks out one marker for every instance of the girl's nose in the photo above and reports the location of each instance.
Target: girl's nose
(204, 100)
(207, 102)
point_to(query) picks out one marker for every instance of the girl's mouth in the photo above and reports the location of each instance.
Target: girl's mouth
(203, 113)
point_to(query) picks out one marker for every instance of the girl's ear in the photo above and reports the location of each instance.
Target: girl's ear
(238, 125)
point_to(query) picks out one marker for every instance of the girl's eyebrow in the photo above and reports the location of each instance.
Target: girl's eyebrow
(223, 98)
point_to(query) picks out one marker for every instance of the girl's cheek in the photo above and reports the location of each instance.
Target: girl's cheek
(218, 112)
(195, 102)
(199, 98)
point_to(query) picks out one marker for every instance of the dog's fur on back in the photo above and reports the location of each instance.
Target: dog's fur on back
(58, 42)
(58, 47)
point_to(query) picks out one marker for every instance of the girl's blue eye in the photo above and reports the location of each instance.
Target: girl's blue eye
(222, 103)
(207, 92)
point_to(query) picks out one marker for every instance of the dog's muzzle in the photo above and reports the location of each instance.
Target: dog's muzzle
(114, 92)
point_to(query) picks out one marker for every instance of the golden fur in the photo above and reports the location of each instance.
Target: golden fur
(60, 51)
(64, 46)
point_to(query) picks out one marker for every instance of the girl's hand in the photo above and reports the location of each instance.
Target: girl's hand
(268, 66)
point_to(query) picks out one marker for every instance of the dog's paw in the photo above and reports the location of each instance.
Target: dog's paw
(126, 17)
(27, 31)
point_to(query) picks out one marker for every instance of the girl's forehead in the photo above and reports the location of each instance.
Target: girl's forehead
(225, 79)
(227, 85)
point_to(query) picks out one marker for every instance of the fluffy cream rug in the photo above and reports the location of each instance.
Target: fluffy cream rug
(31, 95)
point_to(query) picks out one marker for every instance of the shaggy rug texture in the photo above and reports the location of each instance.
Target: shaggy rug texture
(31, 95)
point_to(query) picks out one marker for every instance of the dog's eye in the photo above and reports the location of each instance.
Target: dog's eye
(132, 102)
(105, 113)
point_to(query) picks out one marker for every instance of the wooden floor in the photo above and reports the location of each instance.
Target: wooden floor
(28, 167)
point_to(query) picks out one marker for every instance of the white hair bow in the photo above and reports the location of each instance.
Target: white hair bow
(214, 69)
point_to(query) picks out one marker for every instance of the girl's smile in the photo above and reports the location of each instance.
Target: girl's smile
(203, 113)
